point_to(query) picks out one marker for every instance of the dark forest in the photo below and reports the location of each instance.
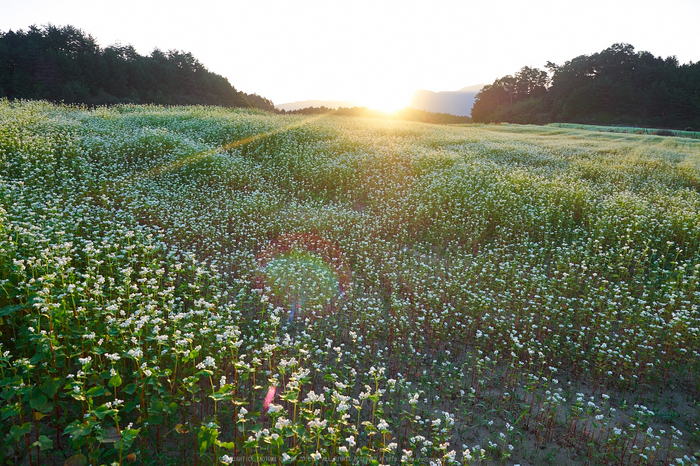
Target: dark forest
(63, 64)
(615, 86)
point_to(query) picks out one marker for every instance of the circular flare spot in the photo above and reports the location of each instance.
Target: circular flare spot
(304, 273)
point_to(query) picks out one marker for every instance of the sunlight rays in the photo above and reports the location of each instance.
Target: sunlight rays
(190, 159)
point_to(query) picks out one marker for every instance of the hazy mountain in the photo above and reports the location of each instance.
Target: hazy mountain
(334, 104)
(458, 102)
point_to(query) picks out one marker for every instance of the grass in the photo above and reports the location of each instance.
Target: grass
(197, 285)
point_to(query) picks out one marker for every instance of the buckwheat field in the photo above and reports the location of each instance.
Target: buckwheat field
(206, 286)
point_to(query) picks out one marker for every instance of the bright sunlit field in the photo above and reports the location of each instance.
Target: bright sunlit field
(210, 286)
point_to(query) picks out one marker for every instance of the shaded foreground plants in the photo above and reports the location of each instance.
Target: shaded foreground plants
(454, 295)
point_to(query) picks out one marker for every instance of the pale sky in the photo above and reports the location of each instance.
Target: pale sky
(375, 52)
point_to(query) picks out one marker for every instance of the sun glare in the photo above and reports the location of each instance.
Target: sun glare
(385, 100)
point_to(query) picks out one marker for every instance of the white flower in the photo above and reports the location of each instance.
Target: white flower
(210, 362)
(317, 423)
(273, 408)
(316, 456)
(282, 422)
(312, 397)
(383, 425)
(351, 440)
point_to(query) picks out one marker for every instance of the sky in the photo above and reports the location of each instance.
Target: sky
(375, 53)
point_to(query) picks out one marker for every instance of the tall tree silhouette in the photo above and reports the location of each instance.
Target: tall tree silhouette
(616, 85)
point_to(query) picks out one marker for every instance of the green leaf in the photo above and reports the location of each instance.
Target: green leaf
(96, 391)
(128, 407)
(206, 437)
(12, 410)
(291, 396)
(44, 443)
(157, 406)
(129, 389)
(128, 437)
(250, 444)
(102, 411)
(109, 435)
(77, 429)
(37, 358)
(10, 381)
(115, 381)
(221, 396)
(18, 431)
(50, 387)
(41, 404)
(11, 309)
(76, 460)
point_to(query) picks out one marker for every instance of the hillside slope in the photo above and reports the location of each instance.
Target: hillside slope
(453, 102)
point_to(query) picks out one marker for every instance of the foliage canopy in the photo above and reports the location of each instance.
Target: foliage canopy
(615, 86)
(64, 64)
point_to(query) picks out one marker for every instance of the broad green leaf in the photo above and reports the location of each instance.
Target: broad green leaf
(18, 431)
(127, 438)
(102, 411)
(44, 443)
(109, 435)
(77, 429)
(37, 358)
(41, 404)
(206, 437)
(76, 460)
(95, 391)
(129, 389)
(115, 381)
(11, 410)
(51, 386)
(11, 309)
(129, 406)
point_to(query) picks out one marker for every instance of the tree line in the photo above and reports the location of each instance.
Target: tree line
(615, 86)
(63, 64)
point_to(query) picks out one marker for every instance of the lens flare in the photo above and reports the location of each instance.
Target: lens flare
(304, 273)
(271, 392)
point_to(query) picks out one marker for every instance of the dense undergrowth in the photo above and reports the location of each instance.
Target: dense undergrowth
(206, 286)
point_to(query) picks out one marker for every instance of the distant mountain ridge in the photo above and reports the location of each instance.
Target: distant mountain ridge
(334, 104)
(458, 102)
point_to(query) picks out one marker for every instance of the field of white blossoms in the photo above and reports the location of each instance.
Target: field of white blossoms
(205, 286)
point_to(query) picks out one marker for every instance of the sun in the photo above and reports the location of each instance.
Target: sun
(384, 99)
